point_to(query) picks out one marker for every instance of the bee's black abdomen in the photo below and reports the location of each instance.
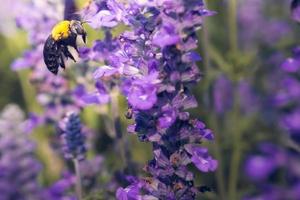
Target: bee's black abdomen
(52, 55)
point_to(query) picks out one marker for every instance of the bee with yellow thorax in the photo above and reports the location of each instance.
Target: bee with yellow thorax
(63, 34)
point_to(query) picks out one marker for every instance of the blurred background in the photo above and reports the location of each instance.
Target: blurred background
(249, 96)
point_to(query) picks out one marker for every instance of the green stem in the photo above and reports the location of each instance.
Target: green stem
(217, 143)
(213, 121)
(122, 142)
(236, 155)
(232, 26)
(218, 58)
(78, 179)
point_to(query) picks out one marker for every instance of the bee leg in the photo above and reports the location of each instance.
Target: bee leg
(84, 37)
(67, 53)
(76, 48)
(62, 62)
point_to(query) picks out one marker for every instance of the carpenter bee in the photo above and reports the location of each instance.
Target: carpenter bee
(63, 34)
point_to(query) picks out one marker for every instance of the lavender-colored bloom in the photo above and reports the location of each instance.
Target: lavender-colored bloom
(59, 190)
(73, 138)
(255, 26)
(19, 168)
(259, 167)
(100, 96)
(155, 61)
(142, 92)
(295, 8)
(222, 94)
(291, 65)
(202, 160)
(90, 172)
(166, 36)
(129, 193)
(249, 101)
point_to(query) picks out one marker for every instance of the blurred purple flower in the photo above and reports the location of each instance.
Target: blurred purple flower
(259, 167)
(129, 193)
(59, 189)
(72, 137)
(295, 9)
(222, 94)
(19, 168)
(254, 25)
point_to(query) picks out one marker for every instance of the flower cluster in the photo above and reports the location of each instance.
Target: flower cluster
(287, 97)
(153, 63)
(72, 137)
(252, 13)
(272, 159)
(18, 164)
(223, 95)
(54, 93)
(156, 63)
(263, 167)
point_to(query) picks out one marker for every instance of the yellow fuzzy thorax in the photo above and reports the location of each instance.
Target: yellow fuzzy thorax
(61, 30)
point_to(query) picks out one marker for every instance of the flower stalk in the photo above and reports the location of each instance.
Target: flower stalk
(78, 185)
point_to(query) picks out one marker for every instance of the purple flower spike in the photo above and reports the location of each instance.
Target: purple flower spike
(73, 138)
(223, 92)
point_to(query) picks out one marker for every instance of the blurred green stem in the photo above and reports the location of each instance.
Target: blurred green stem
(232, 26)
(235, 114)
(213, 120)
(236, 155)
(122, 142)
(218, 58)
(78, 179)
(219, 173)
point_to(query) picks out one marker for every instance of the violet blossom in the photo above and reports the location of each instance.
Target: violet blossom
(156, 68)
(18, 165)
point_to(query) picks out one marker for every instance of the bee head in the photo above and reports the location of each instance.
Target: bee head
(77, 28)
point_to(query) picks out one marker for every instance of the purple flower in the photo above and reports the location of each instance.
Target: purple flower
(60, 188)
(295, 8)
(223, 94)
(166, 36)
(202, 160)
(142, 92)
(73, 138)
(129, 193)
(259, 167)
(290, 122)
(251, 16)
(100, 96)
(249, 101)
(19, 168)
(291, 65)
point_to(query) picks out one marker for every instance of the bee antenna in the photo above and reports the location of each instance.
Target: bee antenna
(84, 22)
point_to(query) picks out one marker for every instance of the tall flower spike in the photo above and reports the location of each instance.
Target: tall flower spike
(19, 168)
(73, 138)
(156, 61)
